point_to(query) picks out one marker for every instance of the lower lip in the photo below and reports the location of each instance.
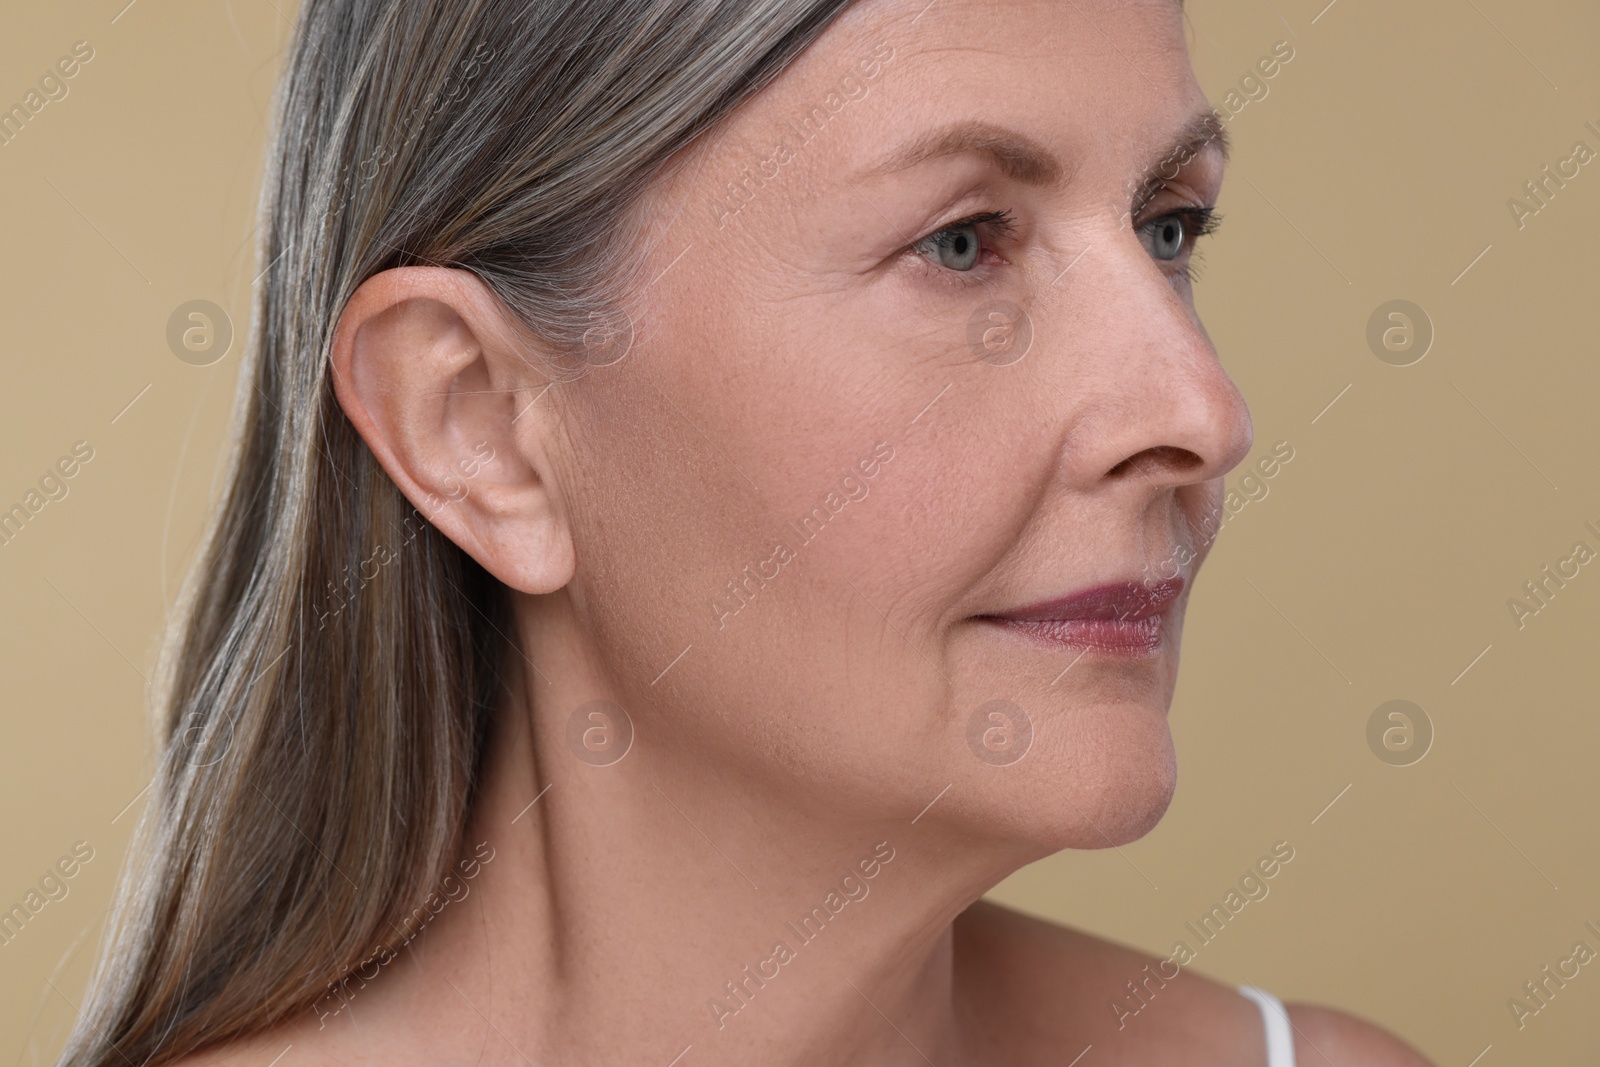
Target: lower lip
(1113, 637)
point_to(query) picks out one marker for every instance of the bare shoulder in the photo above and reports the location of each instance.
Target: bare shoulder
(1051, 990)
(1325, 1036)
(1043, 993)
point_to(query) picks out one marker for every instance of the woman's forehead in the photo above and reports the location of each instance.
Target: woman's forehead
(1051, 84)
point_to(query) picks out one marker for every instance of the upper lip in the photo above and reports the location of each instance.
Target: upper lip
(1116, 602)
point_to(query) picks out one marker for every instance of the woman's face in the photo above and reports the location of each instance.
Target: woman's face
(839, 449)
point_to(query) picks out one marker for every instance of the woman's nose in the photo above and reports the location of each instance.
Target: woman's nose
(1151, 402)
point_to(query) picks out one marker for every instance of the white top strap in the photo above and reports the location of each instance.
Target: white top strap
(1280, 1038)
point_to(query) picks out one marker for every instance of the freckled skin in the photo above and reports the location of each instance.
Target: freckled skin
(776, 745)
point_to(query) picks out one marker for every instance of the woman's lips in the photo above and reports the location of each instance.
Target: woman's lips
(1122, 618)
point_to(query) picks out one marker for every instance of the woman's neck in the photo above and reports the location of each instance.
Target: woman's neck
(630, 912)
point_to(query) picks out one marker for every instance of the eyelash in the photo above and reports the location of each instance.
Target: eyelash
(1198, 222)
(1000, 224)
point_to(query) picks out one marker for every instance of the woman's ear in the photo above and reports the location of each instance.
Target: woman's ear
(431, 373)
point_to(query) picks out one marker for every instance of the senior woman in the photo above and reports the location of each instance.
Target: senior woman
(704, 508)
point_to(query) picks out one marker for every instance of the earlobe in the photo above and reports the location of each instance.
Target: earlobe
(432, 376)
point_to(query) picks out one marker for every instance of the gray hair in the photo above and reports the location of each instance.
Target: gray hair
(321, 728)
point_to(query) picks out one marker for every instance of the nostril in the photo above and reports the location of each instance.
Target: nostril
(1171, 457)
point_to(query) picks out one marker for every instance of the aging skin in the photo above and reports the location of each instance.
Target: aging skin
(827, 719)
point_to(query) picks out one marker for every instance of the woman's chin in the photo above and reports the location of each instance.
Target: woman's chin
(1104, 782)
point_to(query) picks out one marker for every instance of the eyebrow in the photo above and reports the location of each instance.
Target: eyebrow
(1023, 159)
(1203, 130)
(1018, 156)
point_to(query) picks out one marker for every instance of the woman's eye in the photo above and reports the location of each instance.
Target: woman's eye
(956, 247)
(1169, 236)
(1166, 237)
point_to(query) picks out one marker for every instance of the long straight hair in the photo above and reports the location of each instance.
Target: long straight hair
(325, 691)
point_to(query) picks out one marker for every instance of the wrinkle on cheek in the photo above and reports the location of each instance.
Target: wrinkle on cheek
(881, 644)
(740, 273)
(790, 259)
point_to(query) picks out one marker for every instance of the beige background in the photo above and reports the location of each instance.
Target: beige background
(1378, 567)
